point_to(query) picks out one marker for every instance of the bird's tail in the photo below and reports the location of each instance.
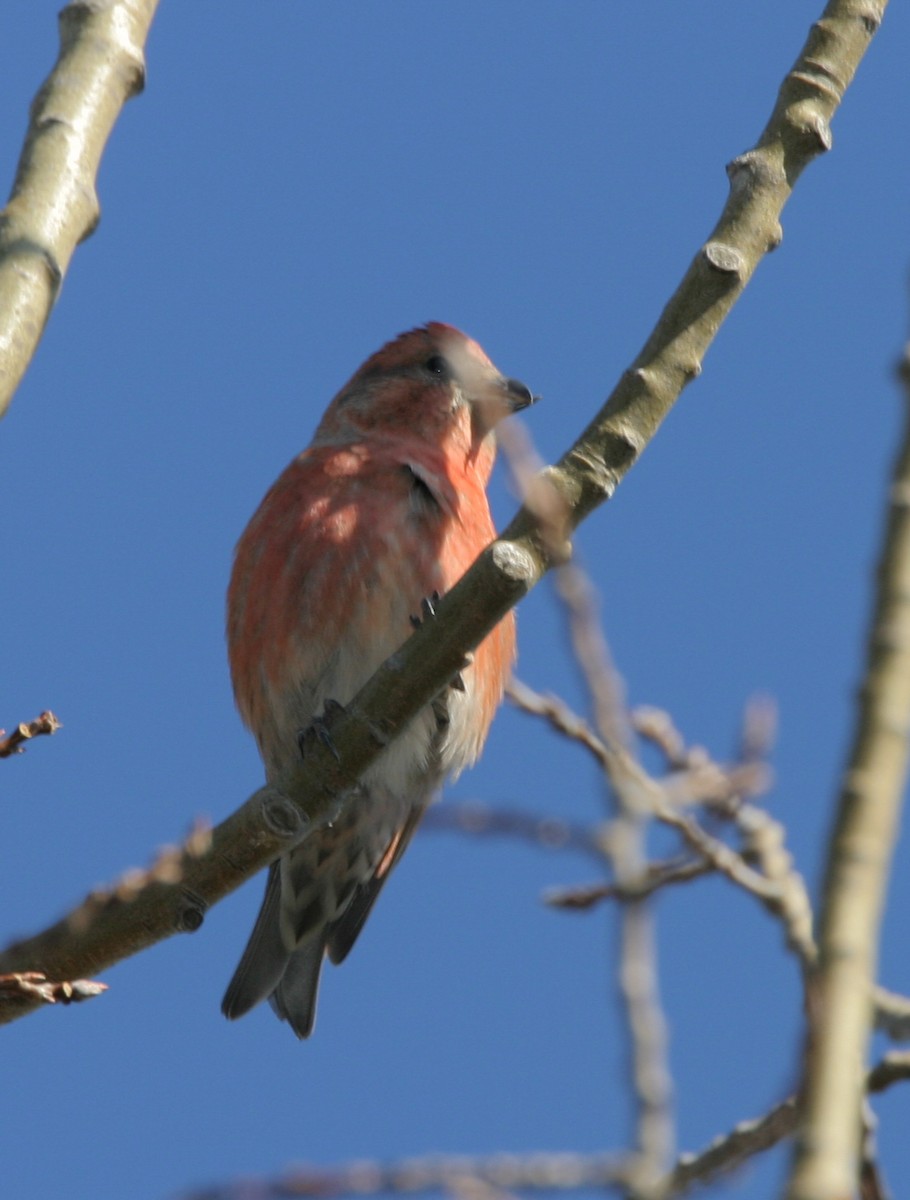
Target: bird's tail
(268, 969)
(294, 999)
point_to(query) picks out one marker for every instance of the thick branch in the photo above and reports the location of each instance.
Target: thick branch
(859, 857)
(53, 205)
(273, 820)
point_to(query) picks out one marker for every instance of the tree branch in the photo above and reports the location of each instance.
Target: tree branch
(481, 820)
(859, 856)
(542, 1172)
(53, 205)
(47, 991)
(277, 817)
(14, 743)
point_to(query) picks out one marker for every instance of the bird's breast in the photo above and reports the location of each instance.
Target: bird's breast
(326, 579)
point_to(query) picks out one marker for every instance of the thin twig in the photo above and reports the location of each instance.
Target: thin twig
(763, 841)
(478, 819)
(625, 848)
(14, 743)
(624, 770)
(560, 717)
(35, 985)
(892, 1014)
(872, 1185)
(541, 1172)
(656, 876)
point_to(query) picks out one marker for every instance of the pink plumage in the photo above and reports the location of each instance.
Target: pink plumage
(386, 506)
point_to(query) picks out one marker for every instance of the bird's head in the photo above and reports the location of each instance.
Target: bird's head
(432, 384)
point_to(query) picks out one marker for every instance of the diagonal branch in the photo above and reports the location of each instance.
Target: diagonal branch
(14, 743)
(53, 205)
(277, 817)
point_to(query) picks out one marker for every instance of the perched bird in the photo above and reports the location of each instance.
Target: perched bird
(386, 507)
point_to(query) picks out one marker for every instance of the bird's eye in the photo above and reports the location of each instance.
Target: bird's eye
(437, 365)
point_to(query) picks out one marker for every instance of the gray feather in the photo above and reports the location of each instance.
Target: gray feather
(264, 959)
(294, 999)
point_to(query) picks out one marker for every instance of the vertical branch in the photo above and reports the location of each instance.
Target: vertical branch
(859, 854)
(638, 983)
(625, 845)
(53, 205)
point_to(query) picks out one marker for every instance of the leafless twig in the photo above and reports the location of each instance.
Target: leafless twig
(542, 1172)
(479, 819)
(14, 743)
(892, 1014)
(624, 846)
(656, 875)
(33, 983)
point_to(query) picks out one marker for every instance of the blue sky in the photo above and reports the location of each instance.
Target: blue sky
(291, 190)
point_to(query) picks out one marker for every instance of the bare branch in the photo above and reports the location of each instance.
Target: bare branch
(656, 875)
(560, 717)
(480, 820)
(542, 1172)
(277, 817)
(420, 1176)
(731, 1150)
(892, 1014)
(705, 781)
(656, 726)
(872, 1184)
(14, 743)
(893, 1068)
(624, 847)
(53, 205)
(37, 986)
(858, 862)
(763, 841)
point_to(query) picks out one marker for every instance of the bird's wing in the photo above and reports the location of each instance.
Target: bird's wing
(344, 932)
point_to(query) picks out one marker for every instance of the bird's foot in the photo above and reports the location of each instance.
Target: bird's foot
(456, 683)
(427, 610)
(320, 729)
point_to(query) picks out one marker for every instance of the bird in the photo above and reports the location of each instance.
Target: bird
(384, 510)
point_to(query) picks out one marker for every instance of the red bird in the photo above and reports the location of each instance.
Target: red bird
(385, 508)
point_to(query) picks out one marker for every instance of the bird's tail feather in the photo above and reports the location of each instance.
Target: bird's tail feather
(264, 959)
(294, 999)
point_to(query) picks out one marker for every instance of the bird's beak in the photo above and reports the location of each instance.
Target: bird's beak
(518, 394)
(497, 399)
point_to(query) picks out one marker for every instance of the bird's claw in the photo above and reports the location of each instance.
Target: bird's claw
(320, 729)
(456, 683)
(440, 708)
(440, 705)
(427, 610)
